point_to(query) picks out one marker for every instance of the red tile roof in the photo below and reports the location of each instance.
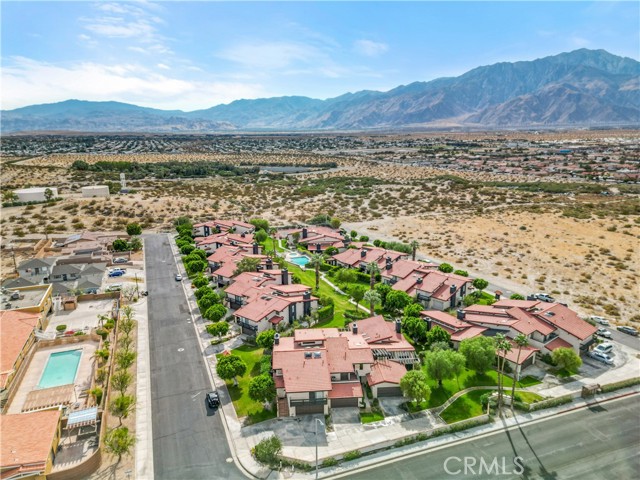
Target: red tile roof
(470, 332)
(386, 372)
(445, 318)
(526, 352)
(375, 329)
(529, 323)
(508, 303)
(303, 374)
(15, 329)
(26, 441)
(557, 343)
(314, 334)
(566, 319)
(346, 390)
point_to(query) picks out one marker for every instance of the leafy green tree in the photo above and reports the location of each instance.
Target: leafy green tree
(445, 268)
(383, 289)
(204, 290)
(373, 298)
(262, 388)
(470, 299)
(372, 269)
(200, 281)
(187, 249)
(247, 264)
(122, 406)
(335, 223)
(521, 341)
(96, 393)
(195, 266)
(516, 296)
(267, 451)
(48, 194)
(135, 244)
(480, 284)
(480, 353)
(357, 293)
(134, 229)
(183, 222)
(330, 251)
(566, 358)
(260, 224)
(316, 261)
(218, 329)
(437, 334)
(119, 441)
(120, 245)
(353, 234)
(416, 328)
(260, 236)
(231, 366)
(265, 339)
(196, 254)
(396, 301)
(414, 386)
(121, 380)
(443, 364)
(215, 313)
(125, 358)
(207, 301)
(346, 275)
(413, 310)
(462, 273)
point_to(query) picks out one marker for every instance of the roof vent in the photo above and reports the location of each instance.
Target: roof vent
(317, 355)
(307, 355)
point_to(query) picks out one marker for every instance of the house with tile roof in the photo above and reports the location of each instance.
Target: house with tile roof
(324, 368)
(393, 272)
(24, 454)
(204, 229)
(17, 336)
(435, 290)
(360, 257)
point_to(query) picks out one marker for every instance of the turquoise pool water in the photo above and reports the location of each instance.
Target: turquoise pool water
(302, 261)
(61, 369)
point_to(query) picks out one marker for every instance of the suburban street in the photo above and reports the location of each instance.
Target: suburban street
(188, 439)
(598, 442)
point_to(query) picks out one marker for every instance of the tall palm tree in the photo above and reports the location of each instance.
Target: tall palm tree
(316, 262)
(373, 298)
(521, 341)
(503, 346)
(272, 232)
(414, 246)
(373, 270)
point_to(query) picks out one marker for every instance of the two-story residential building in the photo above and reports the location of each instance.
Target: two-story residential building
(211, 243)
(386, 340)
(457, 328)
(359, 258)
(393, 272)
(433, 289)
(204, 229)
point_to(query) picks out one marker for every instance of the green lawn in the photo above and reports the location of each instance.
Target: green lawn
(468, 378)
(528, 397)
(467, 406)
(268, 245)
(341, 302)
(245, 407)
(369, 417)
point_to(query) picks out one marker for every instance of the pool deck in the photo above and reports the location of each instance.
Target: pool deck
(37, 366)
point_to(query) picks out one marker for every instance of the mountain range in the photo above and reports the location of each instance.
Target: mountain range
(576, 89)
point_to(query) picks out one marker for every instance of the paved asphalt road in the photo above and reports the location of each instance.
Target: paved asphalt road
(625, 339)
(188, 439)
(596, 443)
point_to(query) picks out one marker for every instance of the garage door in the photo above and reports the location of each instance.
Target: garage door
(344, 402)
(389, 392)
(307, 409)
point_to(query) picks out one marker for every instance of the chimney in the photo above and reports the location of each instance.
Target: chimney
(318, 248)
(269, 264)
(398, 325)
(354, 329)
(363, 253)
(419, 280)
(305, 232)
(243, 235)
(346, 239)
(276, 339)
(259, 268)
(255, 249)
(306, 295)
(497, 296)
(285, 276)
(388, 259)
(452, 289)
(388, 266)
(460, 314)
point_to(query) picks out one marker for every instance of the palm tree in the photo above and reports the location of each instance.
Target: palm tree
(373, 270)
(272, 232)
(414, 246)
(503, 346)
(521, 341)
(373, 298)
(316, 262)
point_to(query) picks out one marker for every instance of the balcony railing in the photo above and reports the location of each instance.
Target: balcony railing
(302, 403)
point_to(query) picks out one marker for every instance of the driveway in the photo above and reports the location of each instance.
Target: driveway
(392, 406)
(345, 416)
(292, 431)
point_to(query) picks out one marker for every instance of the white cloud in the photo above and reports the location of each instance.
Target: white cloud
(163, 66)
(370, 48)
(269, 56)
(27, 82)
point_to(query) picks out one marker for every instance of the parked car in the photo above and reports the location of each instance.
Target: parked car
(114, 287)
(603, 348)
(116, 273)
(178, 277)
(600, 320)
(628, 330)
(119, 260)
(603, 332)
(213, 399)
(543, 297)
(602, 357)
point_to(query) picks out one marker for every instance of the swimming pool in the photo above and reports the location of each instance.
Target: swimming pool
(61, 369)
(299, 260)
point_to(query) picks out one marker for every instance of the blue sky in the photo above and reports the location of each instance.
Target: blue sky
(191, 55)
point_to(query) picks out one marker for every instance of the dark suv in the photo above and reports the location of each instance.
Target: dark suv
(628, 330)
(213, 400)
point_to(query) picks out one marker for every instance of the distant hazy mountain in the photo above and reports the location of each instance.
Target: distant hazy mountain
(580, 88)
